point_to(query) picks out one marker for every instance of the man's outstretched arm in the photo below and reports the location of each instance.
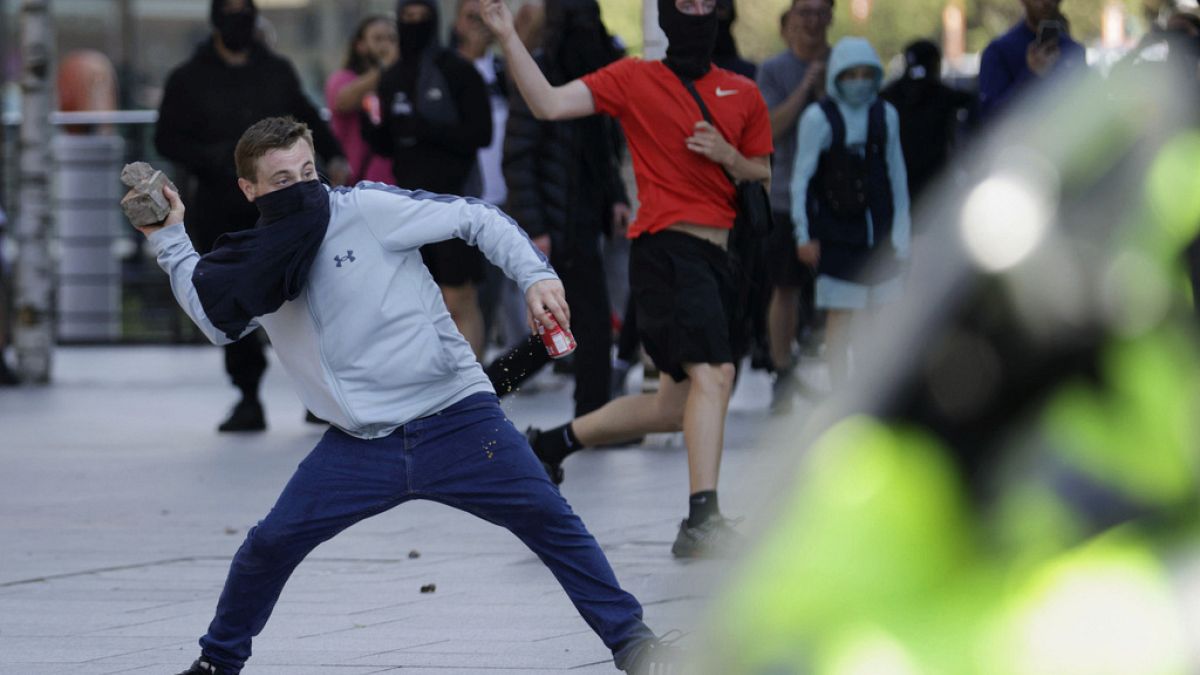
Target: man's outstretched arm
(547, 102)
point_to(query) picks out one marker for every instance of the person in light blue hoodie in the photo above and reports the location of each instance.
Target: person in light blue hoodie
(850, 195)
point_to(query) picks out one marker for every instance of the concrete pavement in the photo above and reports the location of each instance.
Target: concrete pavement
(120, 508)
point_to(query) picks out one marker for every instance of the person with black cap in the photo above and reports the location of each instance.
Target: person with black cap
(931, 114)
(230, 82)
(436, 116)
(680, 274)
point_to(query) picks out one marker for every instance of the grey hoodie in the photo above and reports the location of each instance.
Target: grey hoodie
(369, 342)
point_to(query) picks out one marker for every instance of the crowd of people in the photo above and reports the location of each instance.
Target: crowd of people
(473, 185)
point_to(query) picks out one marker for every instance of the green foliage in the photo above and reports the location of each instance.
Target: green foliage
(624, 20)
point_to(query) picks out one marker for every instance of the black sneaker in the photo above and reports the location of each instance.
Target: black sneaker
(202, 667)
(553, 469)
(247, 415)
(714, 538)
(659, 656)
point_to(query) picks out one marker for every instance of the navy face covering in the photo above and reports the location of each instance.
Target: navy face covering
(253, 272)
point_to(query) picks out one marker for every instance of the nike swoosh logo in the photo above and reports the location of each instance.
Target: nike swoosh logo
(725, 92)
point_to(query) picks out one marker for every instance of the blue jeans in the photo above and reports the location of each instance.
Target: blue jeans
(468, 456)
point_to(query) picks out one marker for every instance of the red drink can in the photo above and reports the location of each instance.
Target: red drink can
(558, 340)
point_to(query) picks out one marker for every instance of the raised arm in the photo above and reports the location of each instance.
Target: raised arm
(178, 259)
(547, 102)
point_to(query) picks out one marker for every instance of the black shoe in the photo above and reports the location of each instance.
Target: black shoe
(313, 419)
(247, 415)
(553, 469)
(202, 667)
(659, 656)
(714, 538)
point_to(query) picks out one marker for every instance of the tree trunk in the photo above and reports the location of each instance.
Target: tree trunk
(33, 331)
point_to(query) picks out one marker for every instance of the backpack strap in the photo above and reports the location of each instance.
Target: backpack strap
(836, 123)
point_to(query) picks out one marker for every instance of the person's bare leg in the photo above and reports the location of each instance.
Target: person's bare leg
(837, 346)
(782, 315)
(709, 388)
(636, 415)
(463, 303)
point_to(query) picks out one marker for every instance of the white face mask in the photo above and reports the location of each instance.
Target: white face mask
(857, 91)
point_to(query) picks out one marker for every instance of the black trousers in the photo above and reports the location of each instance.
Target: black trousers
(591, 323)
(246, 361)
(582, 274)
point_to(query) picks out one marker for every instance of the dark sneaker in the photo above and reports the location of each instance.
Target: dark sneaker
(714, 538)
(247, 415)
(553, 469)
(659, 656)
(202, 667)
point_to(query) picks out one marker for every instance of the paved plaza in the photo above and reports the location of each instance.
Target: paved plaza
(120, 508)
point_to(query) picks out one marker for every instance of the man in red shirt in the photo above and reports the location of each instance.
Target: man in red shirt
(679, 268)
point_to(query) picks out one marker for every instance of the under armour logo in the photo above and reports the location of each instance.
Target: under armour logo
(339, 259)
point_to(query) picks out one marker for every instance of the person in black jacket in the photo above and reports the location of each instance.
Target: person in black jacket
(436, 117)
(229, 83)
(725, 53)
(931, 114)
(565, 190)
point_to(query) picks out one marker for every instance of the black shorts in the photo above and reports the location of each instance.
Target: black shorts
(783, 267)
(683, 292)
(454, 262)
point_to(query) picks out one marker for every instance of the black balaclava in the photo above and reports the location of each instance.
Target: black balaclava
(690, 39)
(726, 14)
(237, 28)
(576, 41)
(415, 38)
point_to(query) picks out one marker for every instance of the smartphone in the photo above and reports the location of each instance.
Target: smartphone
(1049, 32)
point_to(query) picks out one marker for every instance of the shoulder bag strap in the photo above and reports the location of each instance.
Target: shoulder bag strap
(691, 87)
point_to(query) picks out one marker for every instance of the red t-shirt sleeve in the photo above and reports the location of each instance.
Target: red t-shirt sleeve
(610, 86)
(756, 136)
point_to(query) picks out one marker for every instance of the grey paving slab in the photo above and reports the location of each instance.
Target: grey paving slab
(120, 508)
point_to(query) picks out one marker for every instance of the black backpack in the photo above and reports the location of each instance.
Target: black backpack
(840, 183)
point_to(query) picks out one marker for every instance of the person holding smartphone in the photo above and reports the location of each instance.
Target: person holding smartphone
(350, 94)
(1038, 46)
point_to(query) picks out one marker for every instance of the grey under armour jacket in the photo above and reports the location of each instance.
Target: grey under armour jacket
(369, 342)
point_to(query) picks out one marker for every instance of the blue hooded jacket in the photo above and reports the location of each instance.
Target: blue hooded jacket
(816, 136)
